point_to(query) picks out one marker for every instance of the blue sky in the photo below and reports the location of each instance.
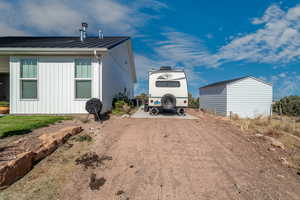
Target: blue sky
(212, 40)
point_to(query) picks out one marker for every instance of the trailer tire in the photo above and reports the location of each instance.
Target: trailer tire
(154, 111)
(168, 102)
(146, 108)
(180, 111)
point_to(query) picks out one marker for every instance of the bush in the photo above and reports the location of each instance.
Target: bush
(4, 103)
(193, 102)
(119, 98)
(121, 107)
(83, 138)
(288, 106)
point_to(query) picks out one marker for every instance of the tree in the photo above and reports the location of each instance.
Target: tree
(142, 98)
(288, 106)
(193, 102)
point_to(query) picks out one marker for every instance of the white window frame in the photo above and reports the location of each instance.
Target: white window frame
(21, 79)
(83, 79)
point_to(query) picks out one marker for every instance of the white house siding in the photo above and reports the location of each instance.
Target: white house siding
(213, 99)
(116, 74)
(4, 64)
(249, 98)
(56, 87)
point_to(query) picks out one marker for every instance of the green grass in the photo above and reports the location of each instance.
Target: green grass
(4, 103)
(17, 125)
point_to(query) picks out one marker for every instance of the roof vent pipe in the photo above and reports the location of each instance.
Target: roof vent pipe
(83, 29)
(100, 34)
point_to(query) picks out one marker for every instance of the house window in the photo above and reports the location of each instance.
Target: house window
(28, 78)
(83, 79)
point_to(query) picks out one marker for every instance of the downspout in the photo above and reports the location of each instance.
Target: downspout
(99, 59)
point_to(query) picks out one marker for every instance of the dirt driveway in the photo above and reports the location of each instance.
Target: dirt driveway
(167, 159)
(183, 159)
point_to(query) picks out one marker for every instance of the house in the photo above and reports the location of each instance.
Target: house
(245, 96)
(57, 75)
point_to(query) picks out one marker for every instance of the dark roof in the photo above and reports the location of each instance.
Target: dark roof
(225, 82)
(60, 42)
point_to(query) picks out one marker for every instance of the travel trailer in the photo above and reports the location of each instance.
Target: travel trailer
(167, 91)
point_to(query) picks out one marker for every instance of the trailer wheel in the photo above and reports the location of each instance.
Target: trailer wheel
(146, 108)
(180, 112)
(154, 111)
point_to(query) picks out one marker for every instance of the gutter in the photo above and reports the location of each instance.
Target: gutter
(53, 51)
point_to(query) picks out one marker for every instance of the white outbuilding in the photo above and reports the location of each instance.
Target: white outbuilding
(246, 96)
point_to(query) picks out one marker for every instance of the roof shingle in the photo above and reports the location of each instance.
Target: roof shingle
(60, 42)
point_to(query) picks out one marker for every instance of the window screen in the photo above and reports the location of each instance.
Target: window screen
(167, 84)
(83, 78)
(28, 78)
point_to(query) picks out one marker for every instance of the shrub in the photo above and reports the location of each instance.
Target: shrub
(288, 106)
(83, 138)
(121, 107)
(273, 133)
(193, 102)
(4, 103)
(121, 97)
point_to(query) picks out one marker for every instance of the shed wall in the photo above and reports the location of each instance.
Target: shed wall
(116, 75)
(56, 87)
(249, 98)
(213, 99)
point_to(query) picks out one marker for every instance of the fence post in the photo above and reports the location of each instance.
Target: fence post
(230, 115)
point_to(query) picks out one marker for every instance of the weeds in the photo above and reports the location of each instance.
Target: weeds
(83, 138)
(273, 133)
(92, 160)
(270, 126)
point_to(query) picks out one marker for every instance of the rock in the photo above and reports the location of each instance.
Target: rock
(275, 142)
(259, 135)
(284, 161)
(50, 142)
(280, 176)
(271, 149)
(125, 116)
(13, 170)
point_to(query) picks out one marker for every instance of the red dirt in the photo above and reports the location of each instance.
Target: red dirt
(173, 159)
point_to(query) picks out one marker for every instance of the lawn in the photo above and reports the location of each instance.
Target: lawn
(17, 125)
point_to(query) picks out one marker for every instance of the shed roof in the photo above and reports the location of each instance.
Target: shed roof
(60, 42)
(226, 82)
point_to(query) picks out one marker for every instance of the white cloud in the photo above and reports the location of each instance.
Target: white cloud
(183, 49)
(284, 84)
(278, 41)
(62, 17)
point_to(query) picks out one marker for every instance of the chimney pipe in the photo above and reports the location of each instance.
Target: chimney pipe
(83, 30)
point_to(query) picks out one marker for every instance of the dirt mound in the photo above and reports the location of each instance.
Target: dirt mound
(96, 183)
(92, 160)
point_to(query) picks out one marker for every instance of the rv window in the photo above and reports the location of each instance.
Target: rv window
(167, 84)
